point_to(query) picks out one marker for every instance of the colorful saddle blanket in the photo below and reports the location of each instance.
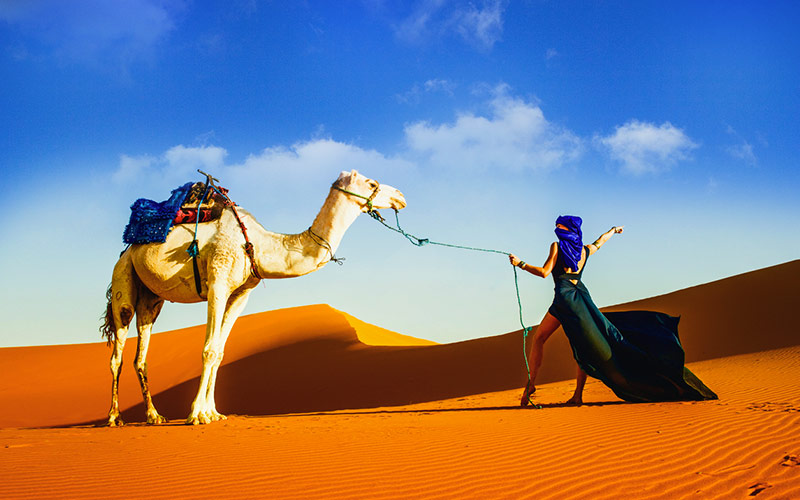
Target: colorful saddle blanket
(151, 221)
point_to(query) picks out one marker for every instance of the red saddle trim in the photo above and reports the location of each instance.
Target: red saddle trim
(189, 215)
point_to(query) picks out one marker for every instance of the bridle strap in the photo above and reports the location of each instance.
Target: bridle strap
(369, 198)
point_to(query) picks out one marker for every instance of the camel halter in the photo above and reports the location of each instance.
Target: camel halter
(370, 207)
(319, 240)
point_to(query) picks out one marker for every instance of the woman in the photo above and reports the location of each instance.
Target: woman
(637, 354)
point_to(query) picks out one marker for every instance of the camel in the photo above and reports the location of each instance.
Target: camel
(148, 274)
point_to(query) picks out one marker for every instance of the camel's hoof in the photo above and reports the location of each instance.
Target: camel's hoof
(198, 419)
(115, 422)
(205, 417)
(215, 417)
(155, 419)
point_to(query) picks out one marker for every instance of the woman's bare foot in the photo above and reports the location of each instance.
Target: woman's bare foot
(574, 401)
(527, 393)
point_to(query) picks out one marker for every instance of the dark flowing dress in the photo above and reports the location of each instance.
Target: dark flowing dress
(635, 353)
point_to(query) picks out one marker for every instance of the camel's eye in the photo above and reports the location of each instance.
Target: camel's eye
(373, 184)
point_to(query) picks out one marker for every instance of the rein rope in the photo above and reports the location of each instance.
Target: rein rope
(420, 242)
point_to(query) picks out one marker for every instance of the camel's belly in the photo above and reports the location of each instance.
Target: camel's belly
(166, 268)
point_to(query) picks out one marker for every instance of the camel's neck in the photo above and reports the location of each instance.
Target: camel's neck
(300, 254)
(334, 218)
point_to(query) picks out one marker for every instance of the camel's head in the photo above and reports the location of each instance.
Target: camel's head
(369, 193)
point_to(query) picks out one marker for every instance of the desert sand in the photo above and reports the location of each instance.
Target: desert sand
(323, 405)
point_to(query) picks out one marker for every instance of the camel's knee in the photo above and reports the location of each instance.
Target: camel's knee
(115, 364)
(125, 315)
(211, 357)
(141, 369)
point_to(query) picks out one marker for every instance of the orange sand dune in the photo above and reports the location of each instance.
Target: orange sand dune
(315, 358)
(351, 410)
(747, 443)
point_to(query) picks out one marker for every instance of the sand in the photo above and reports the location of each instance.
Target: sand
(325, 406)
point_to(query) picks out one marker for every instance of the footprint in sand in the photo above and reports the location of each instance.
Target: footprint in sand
(791, 461)
(787, 407)
(758, 488)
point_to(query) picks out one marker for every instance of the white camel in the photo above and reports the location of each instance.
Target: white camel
(146, 275)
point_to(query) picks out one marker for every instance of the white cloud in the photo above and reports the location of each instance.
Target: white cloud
(479, 24)
(94, 31)
(176, 165)
(305, 166)
(131, 168)
(515, 135)
(647, 148)
(312, 157)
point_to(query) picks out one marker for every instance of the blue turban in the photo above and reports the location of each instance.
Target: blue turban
(570, 243)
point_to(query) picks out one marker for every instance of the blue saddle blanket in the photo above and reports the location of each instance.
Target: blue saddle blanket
(151, 220)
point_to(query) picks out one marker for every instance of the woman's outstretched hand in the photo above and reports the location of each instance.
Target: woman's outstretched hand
(618, 229)
(514, 259)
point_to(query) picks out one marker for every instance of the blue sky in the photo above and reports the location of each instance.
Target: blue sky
(677, 119)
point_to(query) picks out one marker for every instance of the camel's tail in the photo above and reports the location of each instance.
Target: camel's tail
(108, 330)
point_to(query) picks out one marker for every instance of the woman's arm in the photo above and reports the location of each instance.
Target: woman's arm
(593, 247)
(542, 272)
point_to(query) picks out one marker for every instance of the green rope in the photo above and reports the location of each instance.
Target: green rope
(420, 242)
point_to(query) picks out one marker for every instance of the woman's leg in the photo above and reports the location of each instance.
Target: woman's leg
(580, 381)
(546, 328)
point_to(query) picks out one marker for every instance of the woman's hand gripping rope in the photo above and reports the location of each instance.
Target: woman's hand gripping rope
(419, 242)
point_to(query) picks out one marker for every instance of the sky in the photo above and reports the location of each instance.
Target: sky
(678, 120)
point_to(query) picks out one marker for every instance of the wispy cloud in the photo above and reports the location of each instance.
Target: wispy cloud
(435, 85)
(514, 135)
(743, 150)
(643, 147)
(479, 24)
(91, 31)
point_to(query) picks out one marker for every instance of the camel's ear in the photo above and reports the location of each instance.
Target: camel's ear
(354, 172)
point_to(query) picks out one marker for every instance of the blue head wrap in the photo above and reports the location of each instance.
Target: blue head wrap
(570, 243)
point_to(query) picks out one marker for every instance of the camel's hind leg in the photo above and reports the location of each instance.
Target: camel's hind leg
(147, 309)
(122, 303)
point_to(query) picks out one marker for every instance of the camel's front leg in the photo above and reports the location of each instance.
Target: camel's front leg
(212, 353)
(235, 306)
